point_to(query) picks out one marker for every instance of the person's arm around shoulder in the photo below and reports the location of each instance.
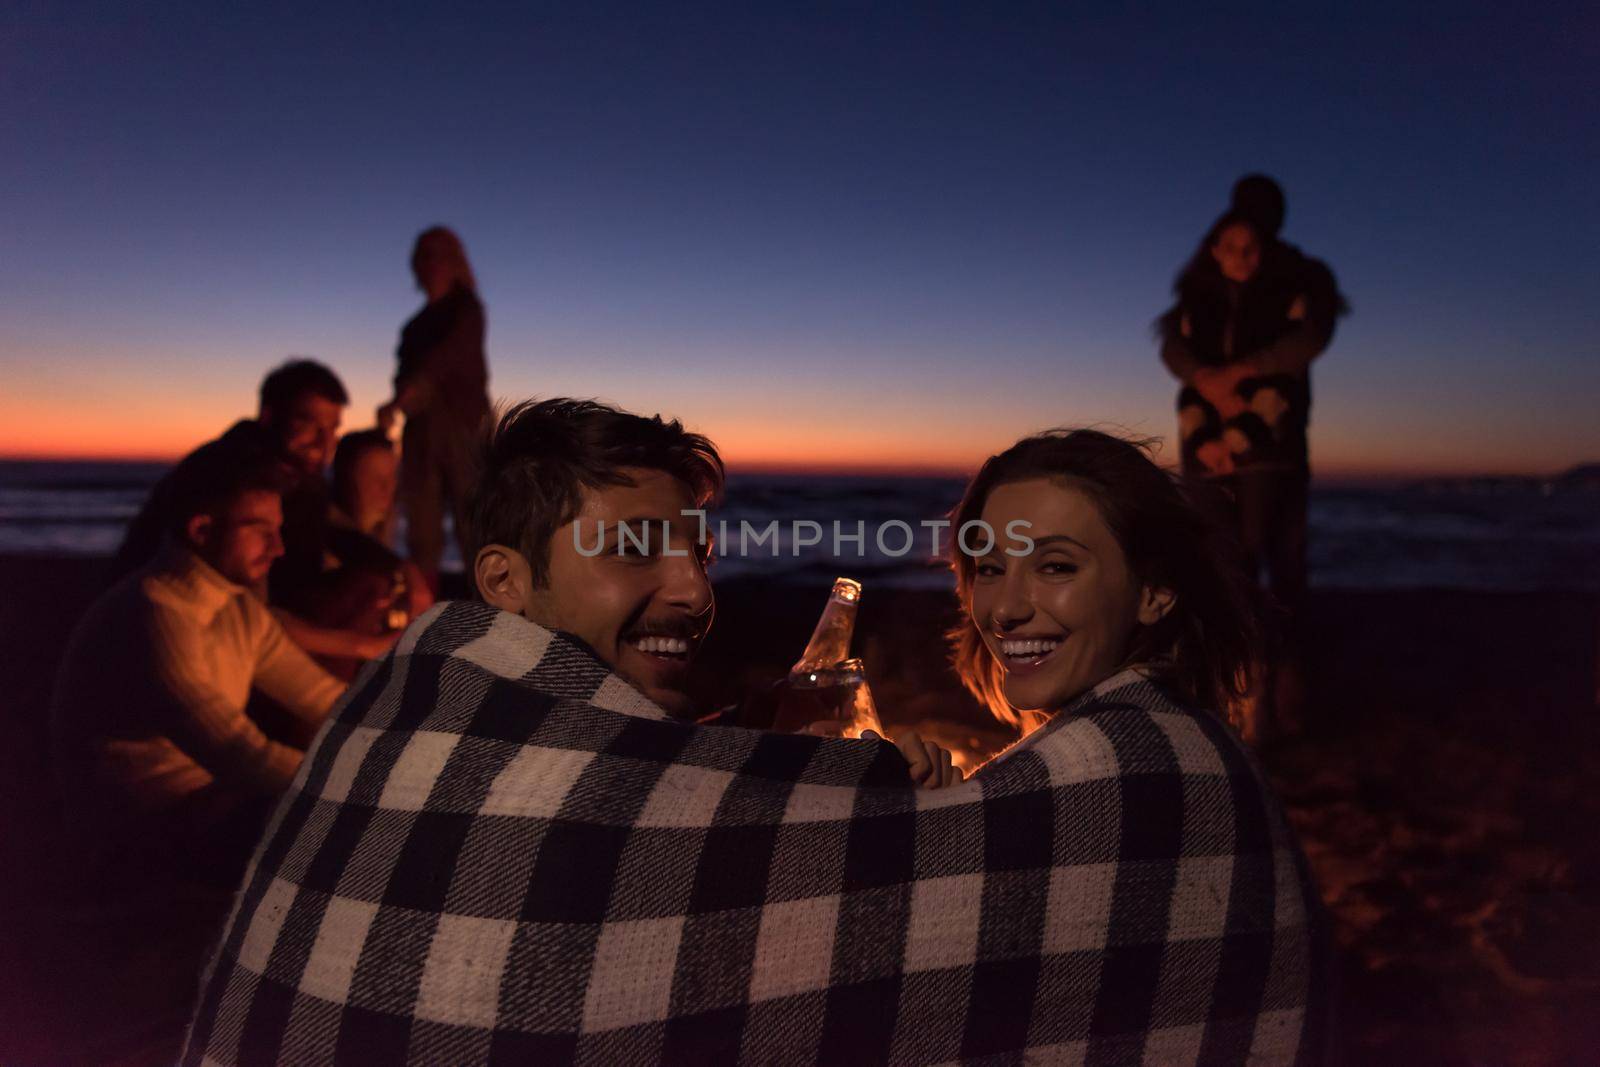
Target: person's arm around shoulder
(1315, 312)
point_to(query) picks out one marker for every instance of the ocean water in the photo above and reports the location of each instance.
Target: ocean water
(1462, 535)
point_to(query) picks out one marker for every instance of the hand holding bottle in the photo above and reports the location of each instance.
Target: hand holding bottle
(826, 691)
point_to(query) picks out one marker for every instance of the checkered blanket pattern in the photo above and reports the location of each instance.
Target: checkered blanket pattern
(498, 851)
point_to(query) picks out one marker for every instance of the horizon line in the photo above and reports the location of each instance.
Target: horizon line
(1326, 474)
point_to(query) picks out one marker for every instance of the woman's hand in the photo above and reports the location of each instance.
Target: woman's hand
(387, 415)
(931, 766)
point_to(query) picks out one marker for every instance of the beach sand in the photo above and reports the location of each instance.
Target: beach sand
(1443, 788)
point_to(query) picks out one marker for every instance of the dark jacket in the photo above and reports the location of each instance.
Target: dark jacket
(443, 371)
(1278, 322)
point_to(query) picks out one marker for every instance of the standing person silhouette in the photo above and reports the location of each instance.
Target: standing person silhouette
(1251, 314)
(441, 387)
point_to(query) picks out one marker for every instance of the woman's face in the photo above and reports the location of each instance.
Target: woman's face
(1237, 252)
(433, 271)
(373, 480)
(1057, 619)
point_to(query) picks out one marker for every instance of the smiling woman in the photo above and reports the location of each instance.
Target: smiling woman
(1123, 571)
(1125, 627)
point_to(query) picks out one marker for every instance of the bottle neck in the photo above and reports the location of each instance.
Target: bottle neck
(830, 641)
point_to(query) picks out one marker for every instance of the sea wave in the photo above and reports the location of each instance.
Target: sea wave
(1391, 538)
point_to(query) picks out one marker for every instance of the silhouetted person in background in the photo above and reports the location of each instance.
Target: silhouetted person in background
(149, 722)
(366, 482)
(1252, 312)
(165, 780)
(441, 386)
(381, 592)
(300, 407)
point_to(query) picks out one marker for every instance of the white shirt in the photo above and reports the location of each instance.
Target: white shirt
(149, 705)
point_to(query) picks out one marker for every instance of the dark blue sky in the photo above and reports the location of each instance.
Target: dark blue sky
(838, 233)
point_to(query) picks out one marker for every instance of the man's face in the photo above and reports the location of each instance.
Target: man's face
(643, 610)
(307, 430)
(241, 542)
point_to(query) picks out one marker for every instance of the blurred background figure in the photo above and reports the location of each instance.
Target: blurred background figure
(1251, 314)
(164, 777)
(301, 405)
(441, 387)
(366, 473)
(383, 592)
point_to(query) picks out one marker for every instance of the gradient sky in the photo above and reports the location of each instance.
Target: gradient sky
(840, 235)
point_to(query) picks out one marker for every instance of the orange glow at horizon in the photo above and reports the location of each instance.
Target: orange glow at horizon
(90, 417)
(137, 433)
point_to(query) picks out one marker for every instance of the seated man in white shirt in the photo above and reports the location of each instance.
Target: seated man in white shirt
(160, 769)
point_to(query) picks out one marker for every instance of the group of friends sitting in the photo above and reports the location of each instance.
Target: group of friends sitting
(246, 592)
(509, 840)
(497, 828)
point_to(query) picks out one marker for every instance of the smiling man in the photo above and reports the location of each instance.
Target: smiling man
(578, 523)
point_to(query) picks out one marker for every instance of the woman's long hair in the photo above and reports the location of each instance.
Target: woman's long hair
(1201, 279)
(1206, 649)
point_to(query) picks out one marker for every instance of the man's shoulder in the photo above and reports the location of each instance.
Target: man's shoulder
(245, 432)
(123, 599)
(1291, 262)
(245, 436)
(161, 589)
(124, 616)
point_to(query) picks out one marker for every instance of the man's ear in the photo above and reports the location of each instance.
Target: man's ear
(1154, 603)
(197, 531)
(504, 578)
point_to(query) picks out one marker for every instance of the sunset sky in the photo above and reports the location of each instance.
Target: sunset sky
(835, 236)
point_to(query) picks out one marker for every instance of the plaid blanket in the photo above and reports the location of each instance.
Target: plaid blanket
(498, 851)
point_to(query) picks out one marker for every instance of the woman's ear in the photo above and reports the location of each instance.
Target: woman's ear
(504, 578)
(1154, 603)
(198, 530)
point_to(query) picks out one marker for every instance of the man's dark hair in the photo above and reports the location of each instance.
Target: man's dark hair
(1260, 199)
(281, 388)
(213, 476)
(542, 455)
(352, 446)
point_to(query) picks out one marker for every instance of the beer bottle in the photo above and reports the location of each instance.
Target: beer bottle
(399, 613)
(826, 691)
